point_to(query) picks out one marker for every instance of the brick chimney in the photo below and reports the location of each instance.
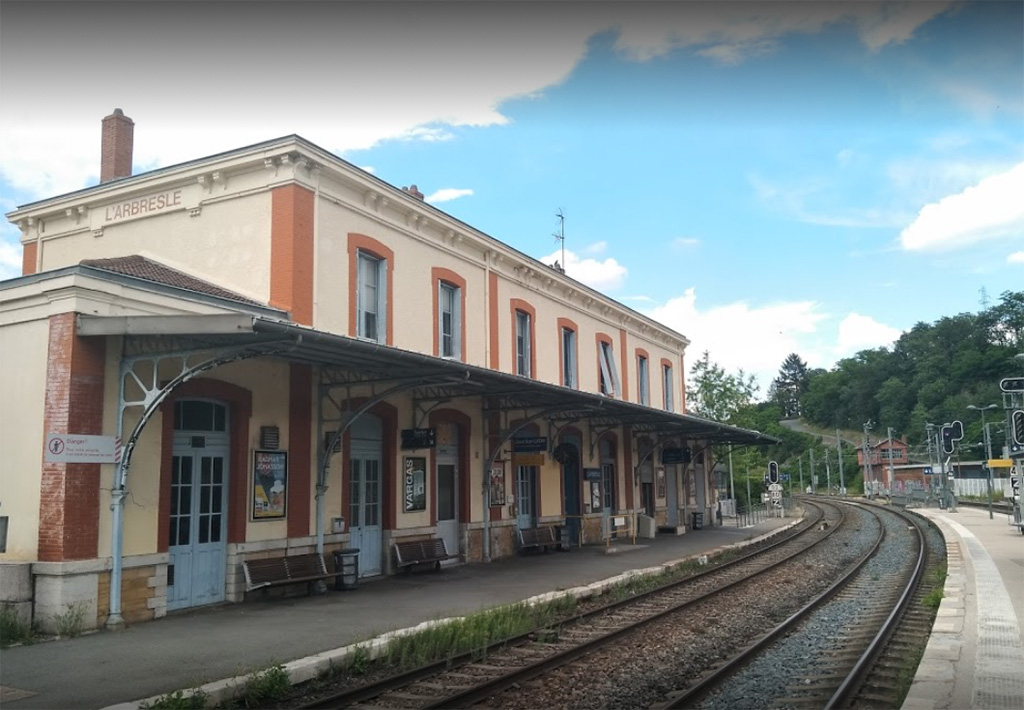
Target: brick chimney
(413, 191)
(116, 150)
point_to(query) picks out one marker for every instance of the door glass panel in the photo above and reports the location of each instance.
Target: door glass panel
(524, 499)
(446, 492)
(608, 485)
(355, 497)
(372, 510)
(181, 500)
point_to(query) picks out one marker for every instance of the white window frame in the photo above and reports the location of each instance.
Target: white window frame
(455, 294)
(379, 299)
(643, 380)
(523, 344)
(666, 384)
(610, 375)
(570, 372)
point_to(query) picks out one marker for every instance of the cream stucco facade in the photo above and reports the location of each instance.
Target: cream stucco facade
(302, 243)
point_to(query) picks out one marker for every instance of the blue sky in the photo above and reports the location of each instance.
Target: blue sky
(763, 177)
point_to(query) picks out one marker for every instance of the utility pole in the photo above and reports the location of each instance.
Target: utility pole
(892, 476)
(929, 432)
(732, 487)
(814, 481)
(748, 488)
(800, 461)
(828, 475)
(839, 455)
(867, 460)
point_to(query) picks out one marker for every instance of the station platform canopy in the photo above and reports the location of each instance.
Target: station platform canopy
(346, 361)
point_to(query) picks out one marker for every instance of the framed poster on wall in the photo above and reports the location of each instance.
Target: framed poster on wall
(660, 479)
(497, 494)
(415, 484)
(269, 484)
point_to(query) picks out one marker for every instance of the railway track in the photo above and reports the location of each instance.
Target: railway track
(839, 650)
(471, 678)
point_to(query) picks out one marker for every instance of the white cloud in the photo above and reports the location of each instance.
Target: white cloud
(606, 275)
(793, 200)
(447, 194)
(1016, 257)
(685, 242)
(857, 332)
(52, 145)
(595, 248)
(991, 209)
(756, 339)
(733, 32)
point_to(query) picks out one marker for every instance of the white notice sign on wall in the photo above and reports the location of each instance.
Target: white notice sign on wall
(81, 448)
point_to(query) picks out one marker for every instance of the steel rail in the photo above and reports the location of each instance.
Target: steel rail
(854, 678)
(492, 686)
(700, 689)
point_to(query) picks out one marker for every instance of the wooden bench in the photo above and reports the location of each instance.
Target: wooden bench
(540, 538)
(412, 553)
(290, 569)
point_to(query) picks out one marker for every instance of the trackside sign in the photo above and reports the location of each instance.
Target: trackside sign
(82, 448)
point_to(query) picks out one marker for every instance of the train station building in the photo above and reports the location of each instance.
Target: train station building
(270, 351)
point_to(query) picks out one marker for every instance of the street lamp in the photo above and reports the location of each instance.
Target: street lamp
(988, 447)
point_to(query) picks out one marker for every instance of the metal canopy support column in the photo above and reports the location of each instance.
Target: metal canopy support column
(152, 395)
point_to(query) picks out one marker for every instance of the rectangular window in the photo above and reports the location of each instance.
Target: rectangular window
(609, 375)
(569, 358)
(449, 321)
(666, 379)
(523, 343)
(643, 381)
(371, 297)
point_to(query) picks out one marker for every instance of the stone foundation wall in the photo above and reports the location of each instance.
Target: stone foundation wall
(143, 594)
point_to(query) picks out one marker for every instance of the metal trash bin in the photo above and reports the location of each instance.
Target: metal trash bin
(346, 562)
(697, 521)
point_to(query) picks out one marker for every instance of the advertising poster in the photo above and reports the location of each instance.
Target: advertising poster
(415, 493)
(270, 484)
(497, 496)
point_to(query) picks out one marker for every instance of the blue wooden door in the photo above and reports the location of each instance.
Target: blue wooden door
(365, 527)
(197, 542)
(526, 496)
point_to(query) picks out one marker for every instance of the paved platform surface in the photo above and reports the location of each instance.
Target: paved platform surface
(975, 657)
(186, 650)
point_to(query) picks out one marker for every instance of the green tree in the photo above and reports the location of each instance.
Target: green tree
(791, 384)
(713, 394)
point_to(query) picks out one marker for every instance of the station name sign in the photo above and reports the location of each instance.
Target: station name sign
(142, 206)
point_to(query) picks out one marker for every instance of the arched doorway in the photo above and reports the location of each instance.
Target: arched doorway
(446, 485)
(567, 453)
(197, 536)
(366, 436)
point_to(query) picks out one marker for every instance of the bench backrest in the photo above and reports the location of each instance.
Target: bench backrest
(309, 565)
(538, 536)
(411, 551)
(275, 569)
(263, 571)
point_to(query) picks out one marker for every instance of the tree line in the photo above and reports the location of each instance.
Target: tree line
(929, 375)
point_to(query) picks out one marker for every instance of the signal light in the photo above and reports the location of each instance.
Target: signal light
(947, 440)
(1017, 426)
(1012, 384)
(773, 471)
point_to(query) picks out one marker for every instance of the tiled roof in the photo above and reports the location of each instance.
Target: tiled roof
(140, 267)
